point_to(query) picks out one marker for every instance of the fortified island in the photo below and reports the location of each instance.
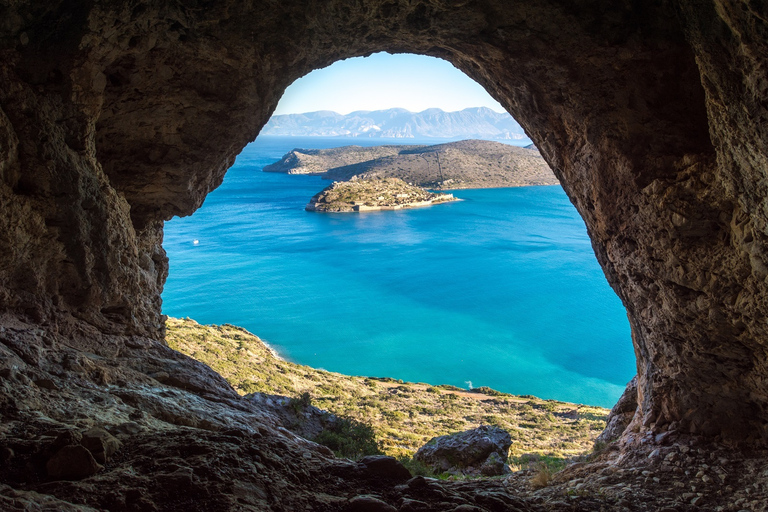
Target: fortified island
(361, 195)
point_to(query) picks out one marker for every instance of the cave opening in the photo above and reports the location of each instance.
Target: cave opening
(501, 290)
(624, 121)
(114, 118)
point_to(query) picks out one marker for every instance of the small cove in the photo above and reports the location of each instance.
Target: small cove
(501, 289)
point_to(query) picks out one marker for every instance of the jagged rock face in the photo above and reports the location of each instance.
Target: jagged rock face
(114, 117)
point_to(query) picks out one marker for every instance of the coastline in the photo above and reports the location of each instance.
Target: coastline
(404, 415)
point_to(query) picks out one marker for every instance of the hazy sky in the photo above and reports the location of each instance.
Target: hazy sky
(381, 81)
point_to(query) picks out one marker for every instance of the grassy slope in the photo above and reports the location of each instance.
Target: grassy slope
(404, 415)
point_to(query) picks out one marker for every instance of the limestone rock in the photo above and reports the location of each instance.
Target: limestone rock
(621, 414)
(494, 465)
(481, 450)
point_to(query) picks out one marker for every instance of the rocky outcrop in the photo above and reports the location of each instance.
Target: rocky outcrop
(114, 117)
(363, 195)
(480, 451)
(455, 165)
(621, 414)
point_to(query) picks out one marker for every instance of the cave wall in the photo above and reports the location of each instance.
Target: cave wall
(116, 116)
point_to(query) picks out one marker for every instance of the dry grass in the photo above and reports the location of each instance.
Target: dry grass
(542, 475)
(404, 415)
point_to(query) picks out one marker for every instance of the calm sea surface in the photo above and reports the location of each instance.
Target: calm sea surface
(501, 289)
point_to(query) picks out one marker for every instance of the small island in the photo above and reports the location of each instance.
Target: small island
(362, 195)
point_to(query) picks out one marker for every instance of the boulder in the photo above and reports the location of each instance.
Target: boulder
(385, 467)
(100, 443)
(482, 450)
(367, 503)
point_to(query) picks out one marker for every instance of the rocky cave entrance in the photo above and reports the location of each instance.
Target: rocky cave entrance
(638, 144)
(114, 120)
(202, 286)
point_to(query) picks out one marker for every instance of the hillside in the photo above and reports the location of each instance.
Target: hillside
(404, 415)
(455, 165)
(399, 123)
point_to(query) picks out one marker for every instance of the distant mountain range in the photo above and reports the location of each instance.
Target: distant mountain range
(470, 123)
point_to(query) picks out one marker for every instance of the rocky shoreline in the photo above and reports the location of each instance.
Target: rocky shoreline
(363, 195)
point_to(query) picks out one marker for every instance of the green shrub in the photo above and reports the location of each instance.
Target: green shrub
(300, 403)
(394, 415)
(349, 438)
(416, 467)
(485, 390)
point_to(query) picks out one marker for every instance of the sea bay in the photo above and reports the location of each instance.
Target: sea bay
(501, 289)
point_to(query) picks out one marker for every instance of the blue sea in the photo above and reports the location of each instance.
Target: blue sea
(501, 289)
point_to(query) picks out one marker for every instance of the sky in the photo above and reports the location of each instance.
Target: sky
(381, 81)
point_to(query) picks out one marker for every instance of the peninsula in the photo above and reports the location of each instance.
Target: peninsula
(359, 195)
(455, 165)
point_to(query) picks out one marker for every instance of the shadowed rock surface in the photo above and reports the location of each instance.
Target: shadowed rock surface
(114, 117)
(462, 164)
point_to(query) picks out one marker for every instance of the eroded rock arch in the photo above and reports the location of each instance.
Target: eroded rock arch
(116, 116)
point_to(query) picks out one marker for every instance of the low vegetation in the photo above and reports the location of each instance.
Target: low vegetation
(403, 416)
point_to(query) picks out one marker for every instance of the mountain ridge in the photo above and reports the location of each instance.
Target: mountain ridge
(399, 123)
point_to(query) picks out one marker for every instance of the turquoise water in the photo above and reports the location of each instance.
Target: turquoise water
(501, 289)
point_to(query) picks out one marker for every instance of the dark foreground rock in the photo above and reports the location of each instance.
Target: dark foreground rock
(195, 445)
(480, 451)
